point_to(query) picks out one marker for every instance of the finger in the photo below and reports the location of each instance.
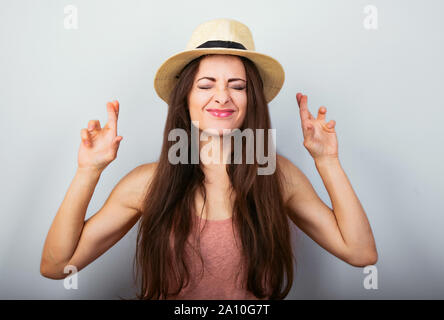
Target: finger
(85, 136)
(112, 116)
(303, 109)
(117, 140)
(298, 97)
(308, 131)
(310, 116)
(116, 104)
(321, 113)
(94, 125)
(331, 124)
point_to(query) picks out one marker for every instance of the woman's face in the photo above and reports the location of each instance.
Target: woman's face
(218, 98)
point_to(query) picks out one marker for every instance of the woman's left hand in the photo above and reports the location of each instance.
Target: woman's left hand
(319, 137)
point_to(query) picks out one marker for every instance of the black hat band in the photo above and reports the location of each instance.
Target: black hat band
(222, 44)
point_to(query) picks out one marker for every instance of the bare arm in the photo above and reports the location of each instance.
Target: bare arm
(73, 241)
(67, 225)
(70, 239)
(344, 232)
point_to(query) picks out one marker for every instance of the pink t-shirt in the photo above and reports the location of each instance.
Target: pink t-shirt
(222, 274)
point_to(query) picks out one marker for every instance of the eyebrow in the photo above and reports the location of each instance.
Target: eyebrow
(229, 80)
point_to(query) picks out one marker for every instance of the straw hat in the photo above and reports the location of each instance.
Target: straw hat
(220, 36)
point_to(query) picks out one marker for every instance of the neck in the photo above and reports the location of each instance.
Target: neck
(213, 155)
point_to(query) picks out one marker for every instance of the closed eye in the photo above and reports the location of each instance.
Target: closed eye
(237, 88)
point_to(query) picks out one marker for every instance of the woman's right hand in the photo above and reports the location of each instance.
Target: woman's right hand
(99, 145)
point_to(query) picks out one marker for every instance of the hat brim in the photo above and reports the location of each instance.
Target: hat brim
(271, 71)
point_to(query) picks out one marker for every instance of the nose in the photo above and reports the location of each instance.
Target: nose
(222, 96)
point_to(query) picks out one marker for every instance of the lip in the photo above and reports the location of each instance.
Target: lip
(220, 113)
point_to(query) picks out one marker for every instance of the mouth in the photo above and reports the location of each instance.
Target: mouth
(220, 113)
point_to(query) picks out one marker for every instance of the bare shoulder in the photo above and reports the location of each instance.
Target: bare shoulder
(145, 172)
(294, 181)
(287, 165)
(133, 186)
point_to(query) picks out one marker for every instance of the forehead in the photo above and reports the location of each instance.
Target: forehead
(228, 65)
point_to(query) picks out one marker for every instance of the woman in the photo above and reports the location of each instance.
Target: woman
(211, 230)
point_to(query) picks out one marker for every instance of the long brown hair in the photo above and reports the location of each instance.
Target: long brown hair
(258, 211)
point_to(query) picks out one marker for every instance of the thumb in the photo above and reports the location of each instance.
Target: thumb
(118, 139)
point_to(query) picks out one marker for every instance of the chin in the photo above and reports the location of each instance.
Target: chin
(218, 129)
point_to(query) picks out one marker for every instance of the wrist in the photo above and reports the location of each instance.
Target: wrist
(326, 161)
(95, 172)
